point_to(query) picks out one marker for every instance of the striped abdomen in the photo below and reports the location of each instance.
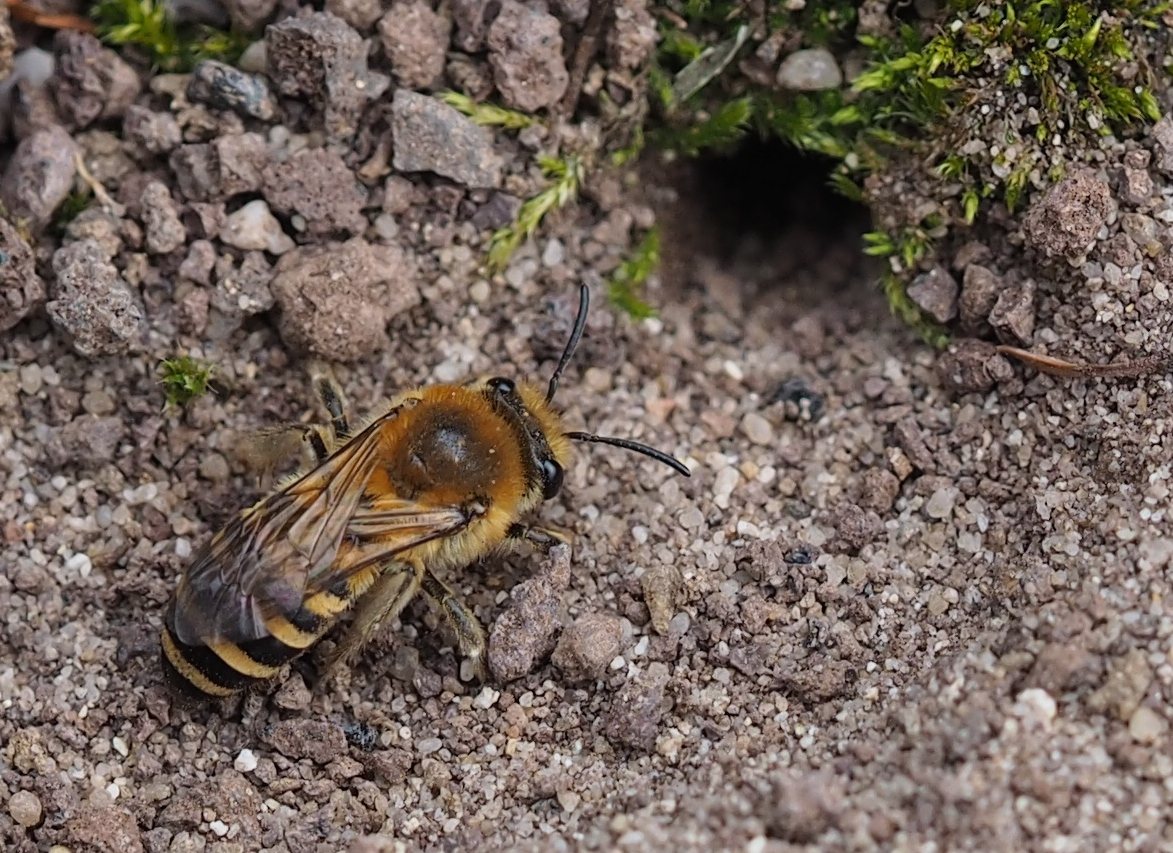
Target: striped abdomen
(224, 668)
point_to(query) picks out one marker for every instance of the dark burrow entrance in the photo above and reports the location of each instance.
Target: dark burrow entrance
(765, 214)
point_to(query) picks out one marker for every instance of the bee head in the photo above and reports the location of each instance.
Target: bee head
(549, 448)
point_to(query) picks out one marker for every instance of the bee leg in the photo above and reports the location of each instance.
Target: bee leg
(266, 450)
(540, 536)
(470, 636)
(330, 393)
(384, 600)
(309, 672)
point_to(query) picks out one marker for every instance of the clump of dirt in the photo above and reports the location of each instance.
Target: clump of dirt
(905, 599)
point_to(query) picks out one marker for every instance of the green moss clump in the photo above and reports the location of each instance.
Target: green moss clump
(983, 104)
(146, 26)
(184, 379)
(624, 287)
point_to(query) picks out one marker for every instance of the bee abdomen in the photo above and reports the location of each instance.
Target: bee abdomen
(204, 672)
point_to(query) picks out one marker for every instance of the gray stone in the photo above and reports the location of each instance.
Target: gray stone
(154, 133)
(248, 15)
(39, 176)
(586, 648)
(935, 292)
(525, 50)
(21, 289)
(415, 39)
(472, 22)
(1013, 317)
(92, 82)
(255, 228)
(1162, 133)
(317, 185)
(430, 136)
(91, 303)
(321, 58)
(335, 300)
(360, 14)
(979, 292)
(1067, 218)
(165, 232)
(221, 85)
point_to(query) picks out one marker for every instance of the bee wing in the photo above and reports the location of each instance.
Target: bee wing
(260, 564)
(318, 531)
(380, 533)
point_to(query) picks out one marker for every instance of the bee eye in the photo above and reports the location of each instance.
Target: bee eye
(502, 385)
(551, 478)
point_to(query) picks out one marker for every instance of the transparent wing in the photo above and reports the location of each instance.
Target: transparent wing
(317, 531)
(258, 565)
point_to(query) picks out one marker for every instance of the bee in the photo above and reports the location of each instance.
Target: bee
(437, 478)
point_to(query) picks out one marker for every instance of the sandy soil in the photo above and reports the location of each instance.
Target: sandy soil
(974, 658)
(881, 614)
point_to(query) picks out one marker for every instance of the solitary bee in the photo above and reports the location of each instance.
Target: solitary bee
(438, 478)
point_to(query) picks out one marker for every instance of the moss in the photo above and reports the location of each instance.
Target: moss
(69, 210)
(488, 114)
(146, 26)
(623, 289)
(982, 105)
(184, 379)
(566, 175)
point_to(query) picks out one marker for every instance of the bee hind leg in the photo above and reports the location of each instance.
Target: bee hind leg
(470, 636)
(397, 586)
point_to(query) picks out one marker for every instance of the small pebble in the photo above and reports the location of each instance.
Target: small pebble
(255, 228)
(757, 429)
(940, 504)
(810, 71)
(25, 808)
(31, 378)
(586, 647)
(661, 587)
(1036, 704)
(1146, 725)
(246, 761)
(486, 699)
(554, 254)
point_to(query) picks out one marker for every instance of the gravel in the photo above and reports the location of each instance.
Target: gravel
(40, 175)
(906, 601)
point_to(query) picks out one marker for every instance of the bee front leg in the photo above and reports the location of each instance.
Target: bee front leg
(397, 586)
(470, 636)
(540, 536)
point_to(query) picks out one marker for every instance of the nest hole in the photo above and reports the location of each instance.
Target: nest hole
(765, 213)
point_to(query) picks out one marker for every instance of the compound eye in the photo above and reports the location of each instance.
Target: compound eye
(505, 387)
(551, 478)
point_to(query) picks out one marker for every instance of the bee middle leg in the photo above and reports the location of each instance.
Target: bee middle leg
(470, 636)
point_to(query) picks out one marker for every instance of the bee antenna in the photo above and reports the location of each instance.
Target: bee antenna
(584, 302)
(627, 444)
